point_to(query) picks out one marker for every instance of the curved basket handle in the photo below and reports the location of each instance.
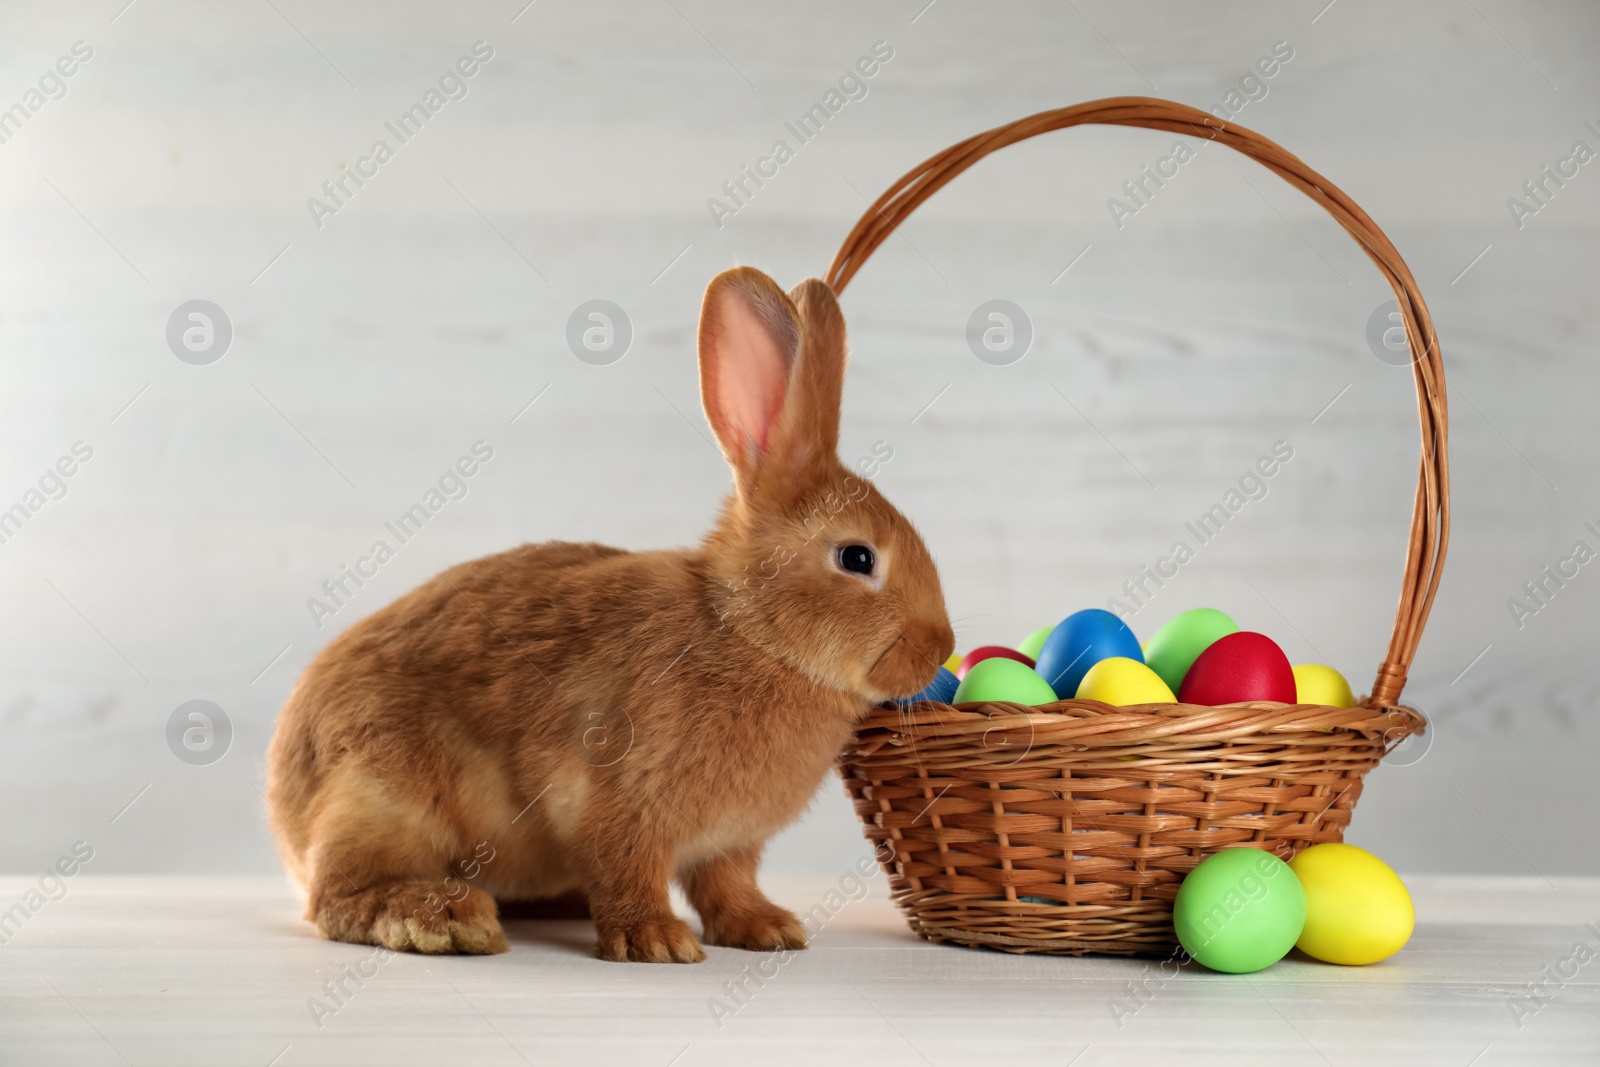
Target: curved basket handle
(1430, 516)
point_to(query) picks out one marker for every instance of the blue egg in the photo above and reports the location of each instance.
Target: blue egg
(941, 690)
(1083, 639)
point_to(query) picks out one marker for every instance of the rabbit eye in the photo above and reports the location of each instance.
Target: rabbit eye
(857, 559)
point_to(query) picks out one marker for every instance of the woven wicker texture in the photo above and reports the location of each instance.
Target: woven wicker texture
(1067, 828)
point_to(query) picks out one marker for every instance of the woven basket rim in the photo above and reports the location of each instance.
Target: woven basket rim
(1164, 709)
(1169, 712)
(1091, 724)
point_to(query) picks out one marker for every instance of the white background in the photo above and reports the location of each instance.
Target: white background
(431, 309)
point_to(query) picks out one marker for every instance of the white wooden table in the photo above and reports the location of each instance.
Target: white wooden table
(221, 971)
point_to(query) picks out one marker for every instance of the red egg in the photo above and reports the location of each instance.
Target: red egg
(1238, 667)
(989, 652)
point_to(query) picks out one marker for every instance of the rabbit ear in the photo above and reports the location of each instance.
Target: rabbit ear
(810, 426)
(749, 341)
(771, 374)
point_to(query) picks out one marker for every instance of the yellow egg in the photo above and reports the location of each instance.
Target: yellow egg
(953, 662)
(1316, 684)
(1122, 681)
(1357, 909)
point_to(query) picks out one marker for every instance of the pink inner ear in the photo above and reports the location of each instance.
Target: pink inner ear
(753, 371)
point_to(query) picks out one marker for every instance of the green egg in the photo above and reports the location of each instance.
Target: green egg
(999, 678)
(1034, 642)
(1175, 647)
(1240, 910)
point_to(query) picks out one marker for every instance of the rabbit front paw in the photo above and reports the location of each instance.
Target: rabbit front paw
(666, 939)
(414, 916)
(763, 931)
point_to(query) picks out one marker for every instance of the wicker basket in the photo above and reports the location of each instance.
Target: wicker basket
(1067, 828)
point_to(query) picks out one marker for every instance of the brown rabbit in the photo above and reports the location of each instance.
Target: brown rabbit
(569, 719)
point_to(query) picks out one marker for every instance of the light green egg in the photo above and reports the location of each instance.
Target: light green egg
(999, 678)
(1172, 650)
(1240, 910)
(1034, 642)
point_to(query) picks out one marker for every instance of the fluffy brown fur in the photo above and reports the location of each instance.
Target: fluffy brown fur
(574, 721)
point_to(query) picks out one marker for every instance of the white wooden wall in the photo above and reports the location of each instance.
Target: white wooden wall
(1225, 315)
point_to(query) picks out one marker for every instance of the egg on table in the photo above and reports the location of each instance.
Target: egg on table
(1239, 910)
(1357, 909)
(1081, 640)
(1238, 667)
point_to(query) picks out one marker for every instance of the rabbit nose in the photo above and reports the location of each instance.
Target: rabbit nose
(933, 641)
(913, 659)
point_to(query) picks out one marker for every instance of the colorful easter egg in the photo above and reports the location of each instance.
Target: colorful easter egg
(1083, 639)
(1001, 678)
(1239, 910)
(953, 662)
(1241, 666)
(1122, 681)
(983, 652)
(1172, 650)
(1317, 684)
(941, 690)
(1035, 641)
(1357, 909)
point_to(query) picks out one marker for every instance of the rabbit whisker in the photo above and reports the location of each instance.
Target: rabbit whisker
(885, 652)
